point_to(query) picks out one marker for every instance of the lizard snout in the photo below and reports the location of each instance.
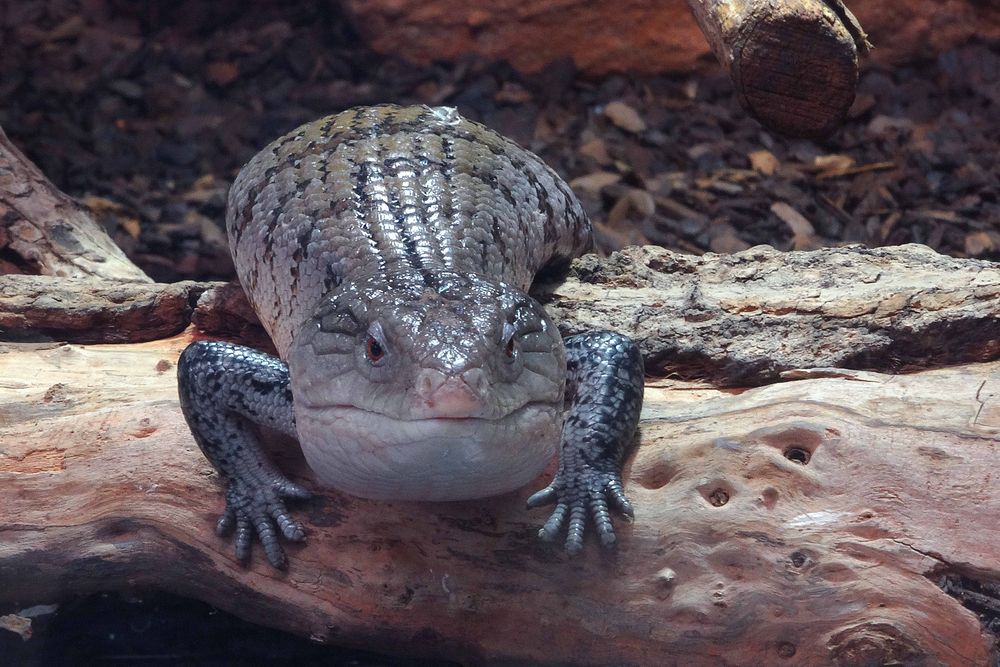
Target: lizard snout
(440, 395)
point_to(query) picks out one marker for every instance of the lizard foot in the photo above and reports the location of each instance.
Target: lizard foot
(259, 509)
(577, 494)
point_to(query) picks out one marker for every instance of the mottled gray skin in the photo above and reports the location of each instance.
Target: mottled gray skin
(388, 251)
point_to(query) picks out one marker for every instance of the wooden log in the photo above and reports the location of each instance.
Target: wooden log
(746, 317)
(837, 519)
(83, 310)
(886, 309)
(51, 232)
(794, 63)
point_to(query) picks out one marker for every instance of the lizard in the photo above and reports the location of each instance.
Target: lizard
(389, 252)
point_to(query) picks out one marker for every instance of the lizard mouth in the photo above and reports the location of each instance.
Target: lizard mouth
(437, 458)
(482, 414)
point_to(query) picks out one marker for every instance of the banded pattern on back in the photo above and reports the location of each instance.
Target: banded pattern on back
(399, 192)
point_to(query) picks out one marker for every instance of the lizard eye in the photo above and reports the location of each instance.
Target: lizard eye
(373, 350)
(374, 344)
(509, 342)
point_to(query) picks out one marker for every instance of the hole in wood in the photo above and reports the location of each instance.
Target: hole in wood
(718, 497)
(716, 492)
(798, 455)
(786, 649)
(655, 476)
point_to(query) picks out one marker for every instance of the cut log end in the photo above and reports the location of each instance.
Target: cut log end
(794, 64)
(796, 71)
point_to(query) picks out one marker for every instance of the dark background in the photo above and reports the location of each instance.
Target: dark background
(147, 109)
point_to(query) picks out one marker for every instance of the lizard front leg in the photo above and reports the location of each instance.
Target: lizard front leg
(604, 387)
(222, 388)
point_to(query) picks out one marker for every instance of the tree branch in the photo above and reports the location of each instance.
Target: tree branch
(51, 232)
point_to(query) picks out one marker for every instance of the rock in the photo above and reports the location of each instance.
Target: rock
(637, 35)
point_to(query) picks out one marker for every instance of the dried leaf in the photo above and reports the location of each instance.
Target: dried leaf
(513, 93)
(725, 240)
(127, 89)
(625, 117)
(635, 203)
(978, 243)
(596, 150)
(888, 225)
(642, 202)
(881, 124)
(19, 625)
(68, 29)
(131, 226)
(863, 103)
(835, 162)
(618, 212)
(101, 205)
(764, 162)
(861, 169)
(221, 73)
(803, 234)
(679, 210)
(936, 214)
(594, 182)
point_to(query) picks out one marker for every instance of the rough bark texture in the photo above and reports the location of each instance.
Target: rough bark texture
(745, 317)
(82, 310)
(731, 319)
(794, 64)
(48, 231)
(813, 521)
(639, 35)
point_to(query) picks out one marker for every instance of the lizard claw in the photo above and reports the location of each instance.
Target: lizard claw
(577, 495)
(259, 511)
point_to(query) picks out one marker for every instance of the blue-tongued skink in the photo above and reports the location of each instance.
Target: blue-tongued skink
(388, 252)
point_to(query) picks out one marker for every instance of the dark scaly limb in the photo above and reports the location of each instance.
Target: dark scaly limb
(604, 388)
(223, 386)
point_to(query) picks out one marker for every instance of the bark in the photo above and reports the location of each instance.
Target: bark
(746, 317)
(794, 64)
(835, 518)
(48, 231)
(739, 319)
(82, 310)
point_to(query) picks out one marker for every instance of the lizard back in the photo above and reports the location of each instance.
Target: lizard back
(396, 192)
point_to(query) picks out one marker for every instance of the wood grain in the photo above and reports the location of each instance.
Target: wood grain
(50, 231)
(811, 521)
(794, 64)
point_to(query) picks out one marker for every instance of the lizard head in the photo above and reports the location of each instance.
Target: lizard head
(429, 387)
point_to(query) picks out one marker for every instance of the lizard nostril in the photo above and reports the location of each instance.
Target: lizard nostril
(476, 380)
(428, 382)
(446, 395)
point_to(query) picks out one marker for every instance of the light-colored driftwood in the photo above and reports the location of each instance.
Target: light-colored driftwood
(813, 521)
(794, 63)
(745, 317)
(734, 319)
(84, 310)
(49, 230)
